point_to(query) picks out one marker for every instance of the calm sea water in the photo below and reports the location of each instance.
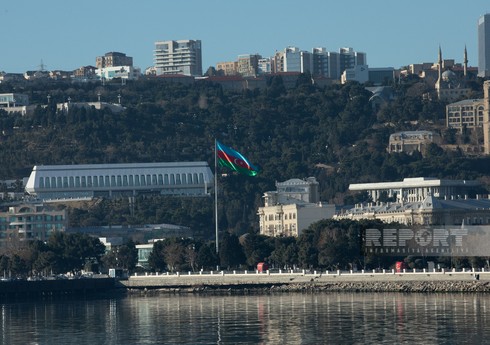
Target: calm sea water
(323, 318)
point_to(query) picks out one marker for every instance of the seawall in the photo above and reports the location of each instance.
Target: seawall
(314, 282)
(63, 287)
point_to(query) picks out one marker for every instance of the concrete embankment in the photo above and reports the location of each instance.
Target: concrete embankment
(376, 282)
(63, 287)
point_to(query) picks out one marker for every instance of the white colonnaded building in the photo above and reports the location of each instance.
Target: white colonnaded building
(86, 181)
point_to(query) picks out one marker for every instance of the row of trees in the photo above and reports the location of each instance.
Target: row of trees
(63, 253)
(325, 245)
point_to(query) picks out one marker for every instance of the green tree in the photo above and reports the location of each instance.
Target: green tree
(230, 251)
(206, 256)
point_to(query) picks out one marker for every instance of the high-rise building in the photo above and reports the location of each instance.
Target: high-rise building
(178, 57)
(350, 58)
(484, 46)
(292, 59)
(248, 65)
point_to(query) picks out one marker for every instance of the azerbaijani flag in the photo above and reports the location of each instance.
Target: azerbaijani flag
(227, 157)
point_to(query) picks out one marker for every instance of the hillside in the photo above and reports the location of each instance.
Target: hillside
(332, 133)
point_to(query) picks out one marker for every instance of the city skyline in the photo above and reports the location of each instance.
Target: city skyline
(66, 37)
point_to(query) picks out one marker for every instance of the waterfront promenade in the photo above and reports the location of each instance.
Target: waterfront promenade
(383, 280)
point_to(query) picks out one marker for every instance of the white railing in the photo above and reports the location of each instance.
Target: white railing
(376, 272)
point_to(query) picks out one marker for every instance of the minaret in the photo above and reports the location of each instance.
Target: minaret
(439, 63)
(486, 117)
(439, 78)
(465, 62)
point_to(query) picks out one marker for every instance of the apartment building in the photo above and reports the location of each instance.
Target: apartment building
(467, 113)
(178, 57)
(113, 59)
(31, 222)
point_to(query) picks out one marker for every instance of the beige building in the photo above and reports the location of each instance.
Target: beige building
(31, 222)
(465, 114)
(410, 141)
(290, 220)
(227, 68)
(292, 208)
(486, 117)
(113, 59)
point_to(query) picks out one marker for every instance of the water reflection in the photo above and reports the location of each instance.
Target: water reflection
(338, 318)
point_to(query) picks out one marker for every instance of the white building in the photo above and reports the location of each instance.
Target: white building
(429, 211)
(359, 73)
(8, 100)
(423, 201)
(292, 59)
(417, 189)
(86, 181)
(292, 208)
(120, 72)
(178, 57)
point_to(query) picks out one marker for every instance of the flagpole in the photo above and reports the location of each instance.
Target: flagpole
(216, 194)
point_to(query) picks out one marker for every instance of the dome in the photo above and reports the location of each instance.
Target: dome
(448, 75)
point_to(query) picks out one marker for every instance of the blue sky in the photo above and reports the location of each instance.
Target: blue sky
(68, 34)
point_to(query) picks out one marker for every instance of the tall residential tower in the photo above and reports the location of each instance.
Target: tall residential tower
(484, 46)
(178, 57)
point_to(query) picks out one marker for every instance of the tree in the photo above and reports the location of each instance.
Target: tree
(124, 256)
(256, 248)
(73, 251)
(206, 256)
(230, 251)
(156, 260)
